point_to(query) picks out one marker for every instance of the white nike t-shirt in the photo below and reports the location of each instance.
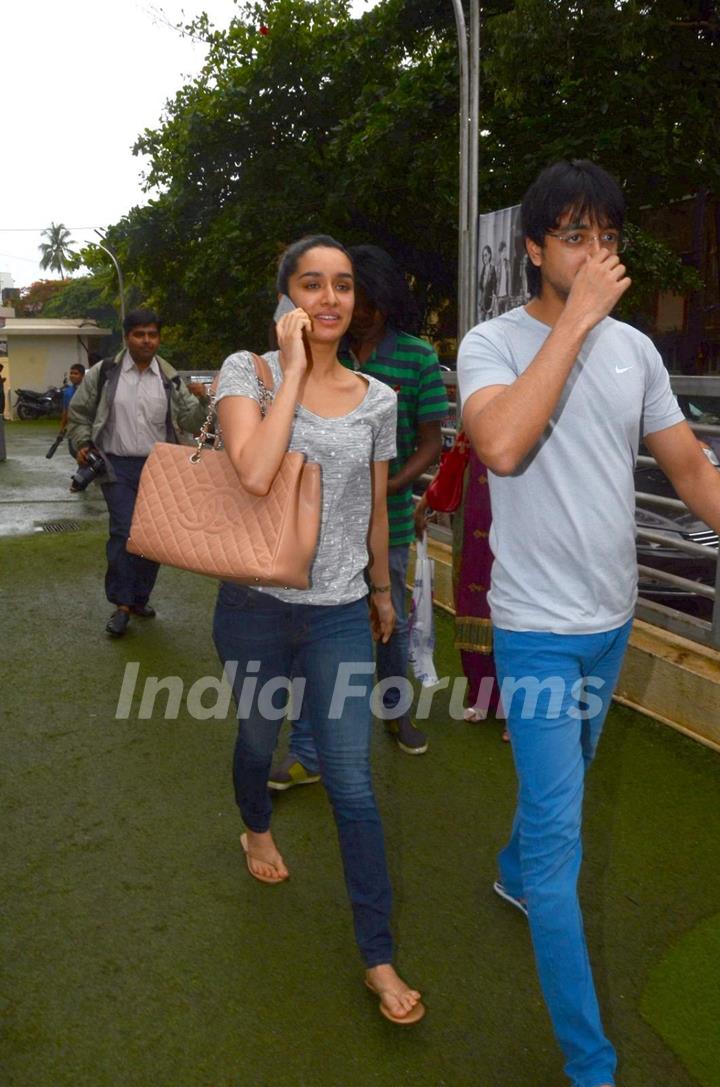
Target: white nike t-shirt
(563, 528)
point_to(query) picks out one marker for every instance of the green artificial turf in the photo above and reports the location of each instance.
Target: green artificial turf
(682, 1000)
(137, 950)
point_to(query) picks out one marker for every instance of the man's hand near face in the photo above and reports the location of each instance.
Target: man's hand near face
(596, 290)
(505, 422)
(197, 388)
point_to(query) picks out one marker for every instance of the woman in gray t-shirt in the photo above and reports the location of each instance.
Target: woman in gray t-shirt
(314, 646)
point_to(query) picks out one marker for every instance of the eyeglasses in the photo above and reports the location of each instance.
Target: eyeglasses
(582, 239)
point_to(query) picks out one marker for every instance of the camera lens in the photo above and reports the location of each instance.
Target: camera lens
(93, 468)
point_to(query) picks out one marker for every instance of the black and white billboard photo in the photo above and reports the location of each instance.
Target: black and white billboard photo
(502, 280)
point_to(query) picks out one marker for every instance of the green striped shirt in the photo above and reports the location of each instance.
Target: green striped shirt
(410, 367)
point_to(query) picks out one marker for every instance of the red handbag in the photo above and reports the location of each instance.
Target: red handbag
(444, 492)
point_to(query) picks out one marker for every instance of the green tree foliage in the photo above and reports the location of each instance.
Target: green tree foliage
(56, 252)
(305, 119)
(82, 297)
(324, 123)
(33, 299)
(85, 296)
(631, 83)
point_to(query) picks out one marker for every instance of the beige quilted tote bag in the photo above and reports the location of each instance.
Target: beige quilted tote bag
(193, 512)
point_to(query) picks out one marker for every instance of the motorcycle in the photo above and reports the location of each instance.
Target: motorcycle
(34, 405)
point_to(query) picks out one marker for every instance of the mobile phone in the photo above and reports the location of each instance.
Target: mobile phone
(285, 305)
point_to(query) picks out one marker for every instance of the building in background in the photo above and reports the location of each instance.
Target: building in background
(686, 328)
(41, 350)
(7, 283)
(8, 296)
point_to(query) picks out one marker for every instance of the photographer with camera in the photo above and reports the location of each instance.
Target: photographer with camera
(125, 404)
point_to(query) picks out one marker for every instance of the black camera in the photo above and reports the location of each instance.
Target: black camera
(93, 468)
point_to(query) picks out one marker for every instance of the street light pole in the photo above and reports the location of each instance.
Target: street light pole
(463, 236)
(473, 159)
(469, 63)
(121, 284)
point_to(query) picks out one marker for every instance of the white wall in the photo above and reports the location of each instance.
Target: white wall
(37, 362)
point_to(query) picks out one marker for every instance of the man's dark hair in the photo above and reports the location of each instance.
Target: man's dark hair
(77, 366)
(578, 186)
(385, 287)
(141, 316)
(290, 259)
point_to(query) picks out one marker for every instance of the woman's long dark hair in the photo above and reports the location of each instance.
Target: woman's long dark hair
(385, 287)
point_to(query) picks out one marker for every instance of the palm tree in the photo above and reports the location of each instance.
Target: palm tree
(56, 252)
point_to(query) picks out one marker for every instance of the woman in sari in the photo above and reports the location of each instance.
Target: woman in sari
(472, 564)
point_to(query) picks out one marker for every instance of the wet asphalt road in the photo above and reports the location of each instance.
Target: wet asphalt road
(35, 491)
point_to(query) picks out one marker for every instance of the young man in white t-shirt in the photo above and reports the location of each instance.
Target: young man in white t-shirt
(556, 397)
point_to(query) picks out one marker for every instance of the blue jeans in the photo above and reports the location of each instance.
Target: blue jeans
(554, 732)
(392, 660)
(129, 579)
(327, 651)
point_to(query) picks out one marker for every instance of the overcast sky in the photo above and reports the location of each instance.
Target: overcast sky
(79, 81)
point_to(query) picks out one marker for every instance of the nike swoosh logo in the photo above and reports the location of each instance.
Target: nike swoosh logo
(622, 369)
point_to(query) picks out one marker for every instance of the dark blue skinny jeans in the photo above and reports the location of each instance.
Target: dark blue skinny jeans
(327, 650)
(129, 579)
(392, 662)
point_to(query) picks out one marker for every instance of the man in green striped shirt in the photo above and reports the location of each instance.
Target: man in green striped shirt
(381, 345)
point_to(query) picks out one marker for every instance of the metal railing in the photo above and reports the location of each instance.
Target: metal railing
(661, 615)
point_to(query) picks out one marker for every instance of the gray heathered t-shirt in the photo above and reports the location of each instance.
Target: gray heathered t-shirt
(345, 448)
(563, 525)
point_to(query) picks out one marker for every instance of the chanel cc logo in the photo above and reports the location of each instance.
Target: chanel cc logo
(211, 509)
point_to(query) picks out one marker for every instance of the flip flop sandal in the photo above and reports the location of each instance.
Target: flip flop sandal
(519, 903)
(415, 1014)
(260, 879)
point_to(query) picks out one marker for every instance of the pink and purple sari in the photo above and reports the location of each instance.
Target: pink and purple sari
(472, 563)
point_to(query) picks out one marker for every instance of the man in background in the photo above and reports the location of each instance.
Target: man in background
(76, 375)
(3, 455)
(125, 405)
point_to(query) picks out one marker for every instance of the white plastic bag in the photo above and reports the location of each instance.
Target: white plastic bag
(421, 625)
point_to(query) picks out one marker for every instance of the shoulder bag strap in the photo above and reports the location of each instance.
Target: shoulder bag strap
(210, 430)
(266, 385)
